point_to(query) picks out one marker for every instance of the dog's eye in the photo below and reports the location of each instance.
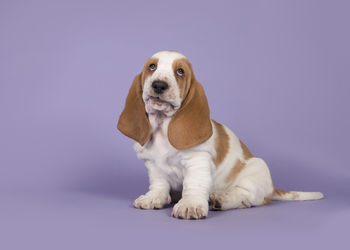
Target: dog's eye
(180, 72)
(152, 67)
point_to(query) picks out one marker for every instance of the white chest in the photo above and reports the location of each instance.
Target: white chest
(158, 153)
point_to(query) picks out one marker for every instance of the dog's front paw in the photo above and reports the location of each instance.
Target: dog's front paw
(190, 209)
(152, 201)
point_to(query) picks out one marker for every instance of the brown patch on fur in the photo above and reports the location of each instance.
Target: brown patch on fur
(146, 71)
(280, 192)
(237, 168)
(133, 121)
(246, 152)
(239, 164)
(221, 143)
(191, 124)
(184, 81)
(268, 199)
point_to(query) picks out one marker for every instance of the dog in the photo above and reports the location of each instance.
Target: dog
(166, 112)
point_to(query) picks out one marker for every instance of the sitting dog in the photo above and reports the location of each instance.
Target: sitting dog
(166, 112)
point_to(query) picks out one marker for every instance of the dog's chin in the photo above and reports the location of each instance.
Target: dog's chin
(156, 105)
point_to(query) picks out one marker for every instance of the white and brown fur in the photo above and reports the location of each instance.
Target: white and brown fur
(184, 150)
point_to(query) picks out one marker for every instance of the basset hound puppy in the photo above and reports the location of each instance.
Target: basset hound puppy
(166, 112)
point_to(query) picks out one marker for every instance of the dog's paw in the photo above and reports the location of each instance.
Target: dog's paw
(190, 209)
(152, 201)
(216, 201)
(225, 200)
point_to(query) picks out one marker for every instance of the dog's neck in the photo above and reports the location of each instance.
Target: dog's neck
(159, 116)
(159, 122)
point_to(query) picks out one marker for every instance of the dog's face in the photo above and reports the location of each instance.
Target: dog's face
(166, 79)
(167, 86)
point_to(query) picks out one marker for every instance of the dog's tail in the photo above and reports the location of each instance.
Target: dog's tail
(295, 195)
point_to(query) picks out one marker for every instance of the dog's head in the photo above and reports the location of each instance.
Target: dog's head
(167, 87)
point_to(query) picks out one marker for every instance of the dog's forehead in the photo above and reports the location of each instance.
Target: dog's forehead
(166, 58)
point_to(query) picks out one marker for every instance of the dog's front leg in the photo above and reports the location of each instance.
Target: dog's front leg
(159, 188)
(196, 187)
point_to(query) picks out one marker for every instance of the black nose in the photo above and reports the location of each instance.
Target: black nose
(159, 87)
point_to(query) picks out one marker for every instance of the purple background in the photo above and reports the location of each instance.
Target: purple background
(275, 72)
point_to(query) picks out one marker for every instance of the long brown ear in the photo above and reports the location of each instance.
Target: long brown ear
(191, 124)
(133, 121)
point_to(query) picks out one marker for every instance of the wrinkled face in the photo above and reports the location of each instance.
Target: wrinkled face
(166, 79)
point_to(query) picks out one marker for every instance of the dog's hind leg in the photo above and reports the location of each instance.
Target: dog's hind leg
(252, 187)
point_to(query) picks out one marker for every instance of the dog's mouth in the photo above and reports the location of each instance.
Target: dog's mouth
(157, 100)
(157, 105)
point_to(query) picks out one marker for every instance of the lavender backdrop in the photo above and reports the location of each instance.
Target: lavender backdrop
(275, 72)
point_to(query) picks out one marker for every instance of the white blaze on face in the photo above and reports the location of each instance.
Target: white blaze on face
(170, 100)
